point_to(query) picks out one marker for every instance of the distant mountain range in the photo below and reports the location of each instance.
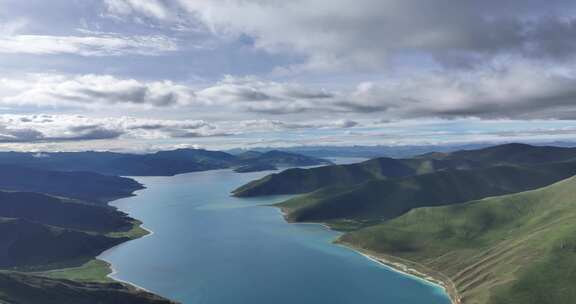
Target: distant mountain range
(394, 151)
(164, 163)
(493, 225)
(295, 181)
(87, 186)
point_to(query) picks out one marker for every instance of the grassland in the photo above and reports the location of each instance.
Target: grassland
(517, 248)
(379, 200)
(93, 271)
(494, 226)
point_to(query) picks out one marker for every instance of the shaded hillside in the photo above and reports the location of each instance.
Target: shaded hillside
(295, 181)
(62, 212)
(20, 288)
(385, 199)
(518, 248)
(509, 154)
(87, 186)
(32, 245)
(164, 163)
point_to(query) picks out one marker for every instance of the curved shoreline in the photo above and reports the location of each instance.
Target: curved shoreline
(113, 270)
(412, 271)
(398, 267)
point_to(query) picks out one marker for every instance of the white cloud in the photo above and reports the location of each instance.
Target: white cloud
(102, 45)
(368, 34)
(49, 128)
(513, 89)
(92, 91)
(152, 8)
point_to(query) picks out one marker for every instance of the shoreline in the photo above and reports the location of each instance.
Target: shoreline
(420, 275)
(113, 271)
(149, 232)
(411, 271)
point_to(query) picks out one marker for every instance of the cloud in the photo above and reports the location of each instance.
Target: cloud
(260, 96)
(92, 90)
(101, 45)
(11, 134)
(369, 34)
(151, 8)
(516, 89)
(48, 128)
(67, 128)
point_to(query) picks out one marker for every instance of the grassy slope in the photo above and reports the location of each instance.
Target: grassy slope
(62, 212)
(385, 199)
(518, 248)
(26, 288)
(91, 187)
(91, 271)
(295, 181)
(29, 245)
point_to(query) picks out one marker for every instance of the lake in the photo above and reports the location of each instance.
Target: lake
(210, 248)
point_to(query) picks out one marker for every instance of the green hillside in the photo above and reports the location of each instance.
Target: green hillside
(293, 181)
(385, 199)
(517, 248)
(296, 181)
(29, 245)
(87, 186)
(510, 154)
(62, 212)
(20, 288)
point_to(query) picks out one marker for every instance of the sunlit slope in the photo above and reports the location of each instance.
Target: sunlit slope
(386, 199)
(517, 248)
(21, 288)
(295, 181)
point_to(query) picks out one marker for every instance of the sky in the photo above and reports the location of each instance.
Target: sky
(145, 75)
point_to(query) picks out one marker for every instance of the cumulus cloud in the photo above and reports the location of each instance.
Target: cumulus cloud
(513, 89)
(264, 96)
(367, 34)
(45, 128)
(13, 133)
(517, 90)
(63, 128)
(92, 90)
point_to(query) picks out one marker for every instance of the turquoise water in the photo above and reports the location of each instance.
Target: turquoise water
(210, 248)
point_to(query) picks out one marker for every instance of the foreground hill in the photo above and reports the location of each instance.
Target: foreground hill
(385, 199)
(86, 186)
(517, 248)
(31, 245)
(21, 288)
(62, 212)
(163, 163)
(295, 181)
(42, 232)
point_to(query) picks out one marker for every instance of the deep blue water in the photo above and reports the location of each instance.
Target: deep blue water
(210, 248)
